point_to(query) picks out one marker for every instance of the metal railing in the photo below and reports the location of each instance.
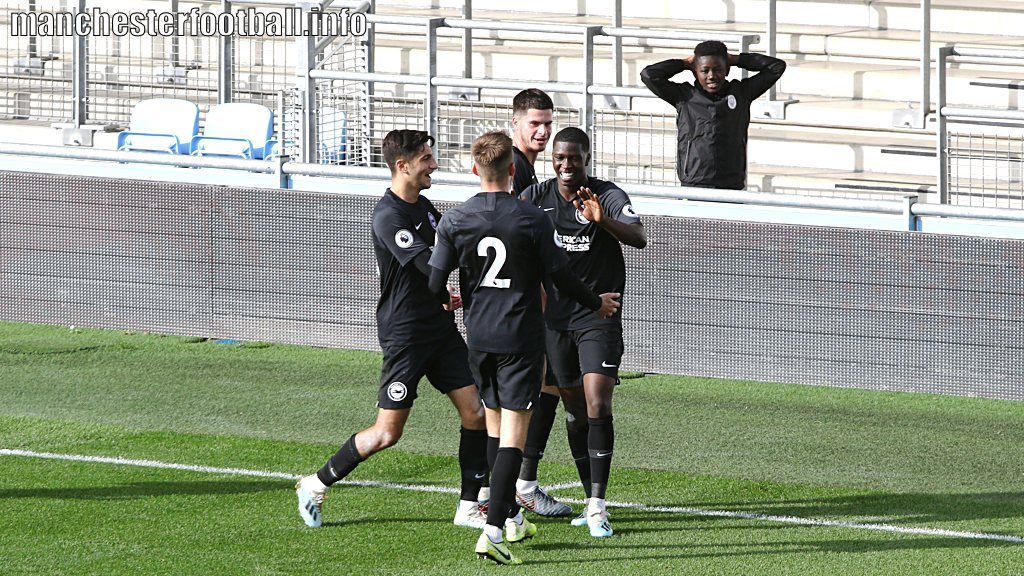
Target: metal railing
(458, 119)
(86, 82)
(978, 167)
(285, 168)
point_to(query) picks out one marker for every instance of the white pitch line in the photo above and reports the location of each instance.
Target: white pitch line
(446, 490)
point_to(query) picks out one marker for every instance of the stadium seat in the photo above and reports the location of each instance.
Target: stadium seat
(236, 129)
(161, 125)
(333, 135)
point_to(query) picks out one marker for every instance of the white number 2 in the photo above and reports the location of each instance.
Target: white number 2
(491, 279)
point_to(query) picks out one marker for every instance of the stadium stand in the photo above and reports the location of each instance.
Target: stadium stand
(848, 130)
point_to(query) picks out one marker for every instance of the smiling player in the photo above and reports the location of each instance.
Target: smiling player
(591, 218)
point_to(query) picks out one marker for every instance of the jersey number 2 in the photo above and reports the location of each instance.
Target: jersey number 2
(491, 279)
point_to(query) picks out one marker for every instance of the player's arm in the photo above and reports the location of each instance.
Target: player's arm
(442, 261)
(629, 233)
(438, 285)
(397, 233)
(422, 263)
(656, 78)
(556, 265)
(569, 284)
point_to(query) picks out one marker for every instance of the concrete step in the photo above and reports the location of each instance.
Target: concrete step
(839, 183)
(965, 85)
(845, 77)
(841, 149)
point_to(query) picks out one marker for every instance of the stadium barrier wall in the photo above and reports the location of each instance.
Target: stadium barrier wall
(884, 310)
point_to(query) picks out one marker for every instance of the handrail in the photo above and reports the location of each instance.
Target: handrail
(612, 31)
(295, 168)
(367, 76)
(975, 52)
(485, 83)
(568, 29)
(763, 198)
(78, 153)
(983, 113)
(664, 34)
(454, 82)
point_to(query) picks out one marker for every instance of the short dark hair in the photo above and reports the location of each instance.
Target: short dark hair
(573, 135)
(492, 154)
(531, 98)
(711, 48)
(403, 144)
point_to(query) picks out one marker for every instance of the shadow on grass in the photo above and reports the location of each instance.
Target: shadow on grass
(887, 508)
(634, 552)
(145, 490)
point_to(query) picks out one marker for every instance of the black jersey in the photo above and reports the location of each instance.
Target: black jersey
(406, 312)
(525, 175)
(594, 254)
(504, 249)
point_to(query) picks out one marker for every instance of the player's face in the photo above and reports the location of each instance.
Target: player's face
(570, 163)
(711, 72)
(533, 129)
(420, 167)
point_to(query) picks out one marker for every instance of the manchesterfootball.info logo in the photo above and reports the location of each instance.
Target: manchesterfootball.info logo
(289, 21)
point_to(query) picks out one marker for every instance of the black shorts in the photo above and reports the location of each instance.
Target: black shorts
(510, 381)
(444, 362)
(590, 351)
(549, 374)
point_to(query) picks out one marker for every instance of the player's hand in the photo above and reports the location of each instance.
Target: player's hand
(609, 304)
(455, 300)
(588, 205)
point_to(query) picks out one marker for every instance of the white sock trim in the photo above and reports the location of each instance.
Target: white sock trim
(494, 533)
(313, 483)
(526, 486)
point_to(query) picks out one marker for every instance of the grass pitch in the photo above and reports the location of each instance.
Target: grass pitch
(847, 455)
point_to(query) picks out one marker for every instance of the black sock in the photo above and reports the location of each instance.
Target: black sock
(472, 462)
(577, 430)
(492, 452)
(537, 435)
(341, 464)
(503, 486)
(601, 442)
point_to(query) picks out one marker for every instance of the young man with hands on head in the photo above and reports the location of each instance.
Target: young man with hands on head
(713, 116)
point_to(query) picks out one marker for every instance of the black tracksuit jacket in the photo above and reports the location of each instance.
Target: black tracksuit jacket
(712, 129)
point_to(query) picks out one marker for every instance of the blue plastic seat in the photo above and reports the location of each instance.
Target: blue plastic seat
(161, 125)
(333, 125)
(236, 129)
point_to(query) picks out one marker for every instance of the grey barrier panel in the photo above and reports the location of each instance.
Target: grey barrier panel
(800, 304)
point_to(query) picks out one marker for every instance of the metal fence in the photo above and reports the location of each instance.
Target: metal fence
(770, 302)
(980, 150)
(35, 72)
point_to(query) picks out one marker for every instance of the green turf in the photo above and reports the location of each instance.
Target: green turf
(911, 460)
